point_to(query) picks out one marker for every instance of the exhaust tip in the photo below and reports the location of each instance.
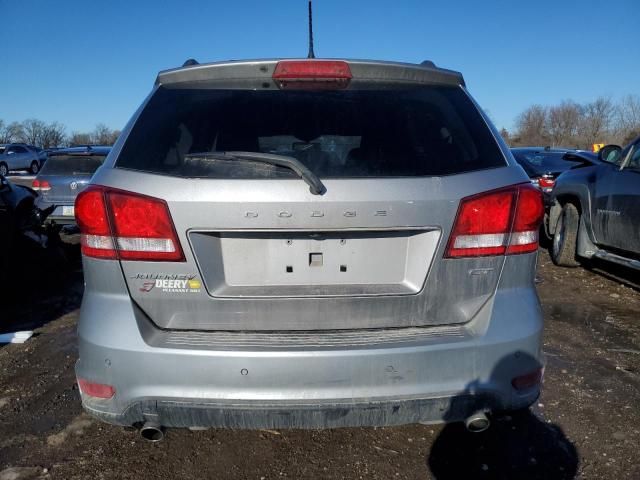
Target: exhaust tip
(152, 432)
(478, 422)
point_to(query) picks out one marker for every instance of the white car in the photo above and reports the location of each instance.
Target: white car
(20, 156)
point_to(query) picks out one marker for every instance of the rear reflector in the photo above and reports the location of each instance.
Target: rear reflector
(98, 390)
(312, 74)
(527, 381)
(125, 225)
(498, 222)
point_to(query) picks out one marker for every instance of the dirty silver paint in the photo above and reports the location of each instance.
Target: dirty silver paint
(431, 339)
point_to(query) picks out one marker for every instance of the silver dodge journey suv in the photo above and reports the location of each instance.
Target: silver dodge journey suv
(308, 244)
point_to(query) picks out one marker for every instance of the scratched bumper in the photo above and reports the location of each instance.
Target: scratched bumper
(329, 415)
(433, 379)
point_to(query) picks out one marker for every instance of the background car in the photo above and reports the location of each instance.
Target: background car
(11, 198)
(20, 156)
(544, 164)
(595, 210)
(16, 204)
(67, 173)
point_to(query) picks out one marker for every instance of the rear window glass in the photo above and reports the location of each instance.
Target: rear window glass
(72, 164)
(347, 133)
(544, 161)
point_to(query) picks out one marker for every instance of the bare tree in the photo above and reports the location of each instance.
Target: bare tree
(53, 135)
(4, 133)
(562, 124)
(103, 135)
(531, 126)
(628, 118)
(79, 138)
(506, 136)
(13, 132)
(570, 124)
(32, 131)
(114, 137)
(595, 126)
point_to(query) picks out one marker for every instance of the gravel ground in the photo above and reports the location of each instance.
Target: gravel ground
(585, 424)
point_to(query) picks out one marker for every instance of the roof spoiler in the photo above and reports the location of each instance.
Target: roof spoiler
(258, 74)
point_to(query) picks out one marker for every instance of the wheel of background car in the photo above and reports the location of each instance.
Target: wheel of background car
(563, 247)
(4, 169)
(35, 167)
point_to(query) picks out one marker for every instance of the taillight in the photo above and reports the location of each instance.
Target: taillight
(312, 74)
(91, 215)
(499, 222)
(98, 390)
(41, 185)
(125, 225)
(546, 182)
(526, 224)
(142, 228)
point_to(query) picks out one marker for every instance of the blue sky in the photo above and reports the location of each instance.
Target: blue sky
(90, 61)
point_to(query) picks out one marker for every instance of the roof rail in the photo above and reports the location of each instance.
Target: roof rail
(189, 62)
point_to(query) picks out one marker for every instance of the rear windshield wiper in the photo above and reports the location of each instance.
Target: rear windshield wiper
(315, 184)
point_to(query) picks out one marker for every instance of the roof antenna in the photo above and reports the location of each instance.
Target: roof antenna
(311, 54)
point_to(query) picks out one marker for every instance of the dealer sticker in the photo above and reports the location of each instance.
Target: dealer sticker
(186, 284)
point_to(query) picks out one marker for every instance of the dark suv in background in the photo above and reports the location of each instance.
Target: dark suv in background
(545, 164)
(595, 211)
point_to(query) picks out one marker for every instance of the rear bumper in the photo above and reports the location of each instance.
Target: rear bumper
(433, 378)
(260, 415)
(57, 215)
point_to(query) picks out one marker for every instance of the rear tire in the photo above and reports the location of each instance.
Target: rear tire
(35, 167)
(563, 247)
(4, 169)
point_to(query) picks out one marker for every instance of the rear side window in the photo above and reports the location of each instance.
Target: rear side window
(349, 133)
(72, 165)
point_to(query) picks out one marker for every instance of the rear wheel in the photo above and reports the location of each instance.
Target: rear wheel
(35, 167)
(563, 248)
(4, 169)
